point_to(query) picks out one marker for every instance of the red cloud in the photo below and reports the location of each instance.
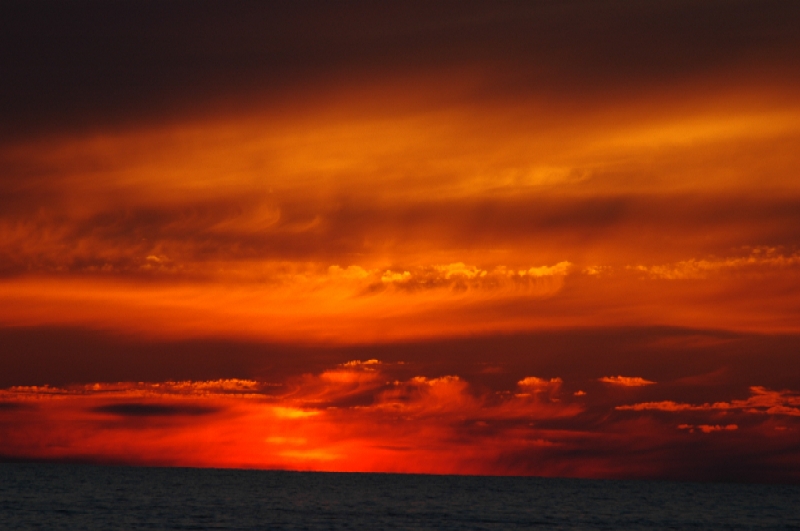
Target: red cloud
(708, 428)
(626, 381)
(355, 417)
(762, 400)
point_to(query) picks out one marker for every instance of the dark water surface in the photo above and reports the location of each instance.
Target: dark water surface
(47, 496)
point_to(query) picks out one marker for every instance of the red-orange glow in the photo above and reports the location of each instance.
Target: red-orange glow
(357, 305)
(405, 428)
(548, 240)
(359, 226)
(432, 425)
(626, 381)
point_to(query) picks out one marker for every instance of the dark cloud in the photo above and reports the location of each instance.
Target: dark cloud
(13, 406)
(139, 409)
(84, 63)
(665, 453)
(61, 356)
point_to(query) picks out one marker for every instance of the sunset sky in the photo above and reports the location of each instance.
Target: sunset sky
(555, 238)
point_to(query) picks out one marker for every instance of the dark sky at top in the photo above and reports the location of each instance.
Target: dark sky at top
(77, 64)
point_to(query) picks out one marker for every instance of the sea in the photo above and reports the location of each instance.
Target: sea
(76, 497)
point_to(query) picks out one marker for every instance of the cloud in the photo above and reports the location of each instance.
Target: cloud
(626, 381)
(459, 277)
(352, 416)
(141, 409)
(359, 363)
(761, 401)
(539, 388)
(360, 416)
(708, 428)
(664, 405)
(755, 263)
(12, 406)
(475, 162)
(208, 388)
(540, 384)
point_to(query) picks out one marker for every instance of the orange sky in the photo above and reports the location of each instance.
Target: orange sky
(566, 232)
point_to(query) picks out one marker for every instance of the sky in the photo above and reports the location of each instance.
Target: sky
(552, 238)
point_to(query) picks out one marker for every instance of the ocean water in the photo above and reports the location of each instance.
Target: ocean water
(75, 497)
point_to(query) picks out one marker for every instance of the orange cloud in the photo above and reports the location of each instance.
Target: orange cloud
(707, 428)
(763, 401)
(757, 262)
(626, 381)
(539, 387)
(367, 202)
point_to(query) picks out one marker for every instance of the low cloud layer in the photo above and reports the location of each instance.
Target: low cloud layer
(762, 401)
(358, 417)
(626, 381)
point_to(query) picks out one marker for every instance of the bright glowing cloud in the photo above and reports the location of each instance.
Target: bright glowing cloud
(756, 262)
(626, 381)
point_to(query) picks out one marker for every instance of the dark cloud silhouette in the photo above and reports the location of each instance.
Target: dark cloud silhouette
(13, 406)
(61, 356)
(142, 409)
